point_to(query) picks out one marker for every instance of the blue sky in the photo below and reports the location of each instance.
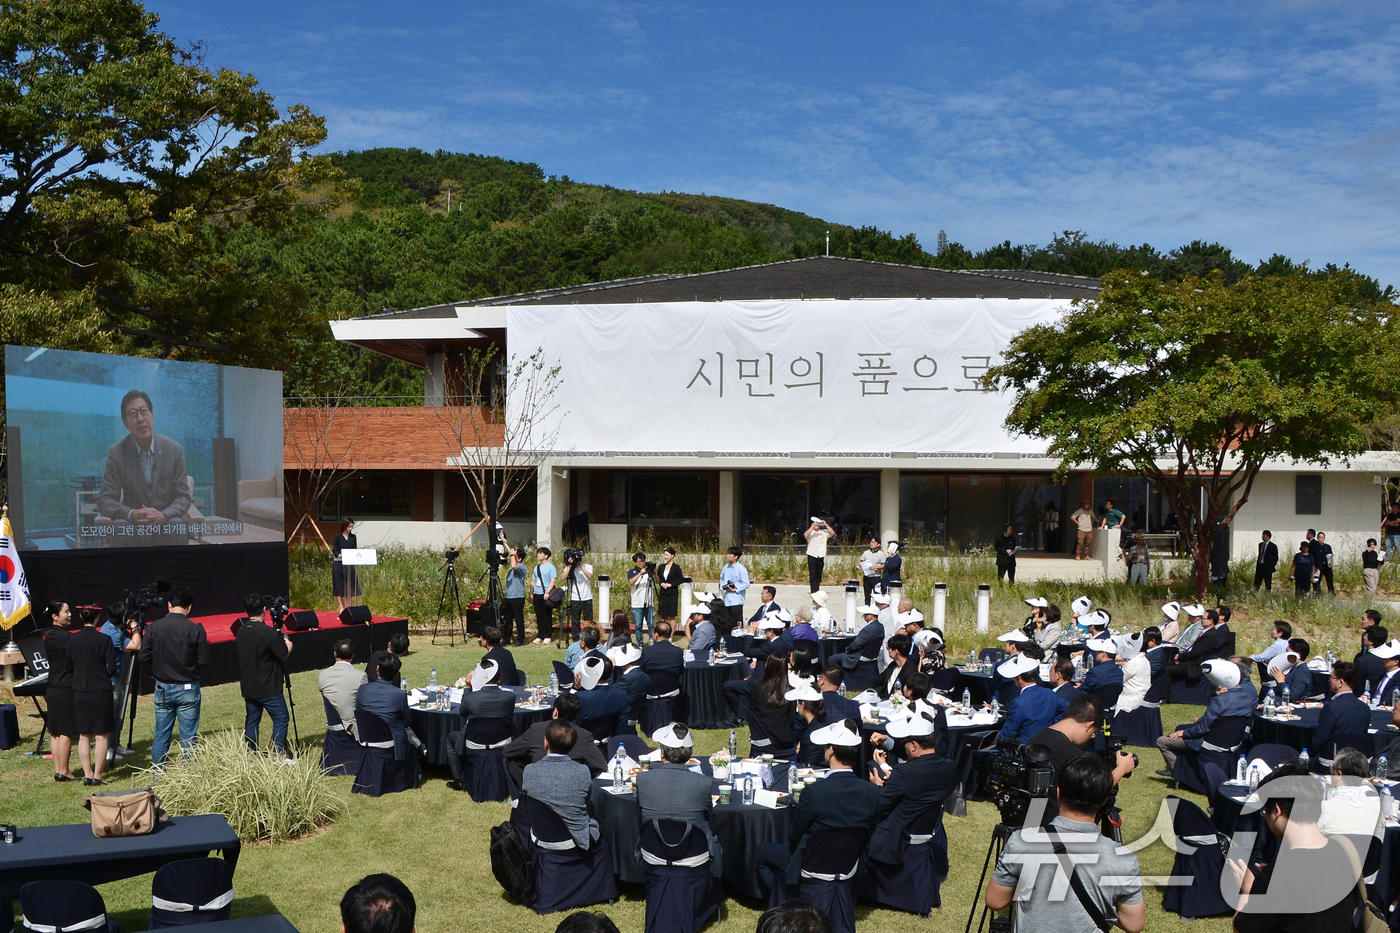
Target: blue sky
(1268, 126)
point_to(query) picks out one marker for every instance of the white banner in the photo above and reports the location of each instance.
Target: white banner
(867, 375)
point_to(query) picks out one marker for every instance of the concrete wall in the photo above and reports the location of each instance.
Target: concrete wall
(434, 536)
(1351, 513)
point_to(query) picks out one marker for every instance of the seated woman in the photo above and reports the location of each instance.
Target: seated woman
(1137, 674)
(811, 716)
(769, 705)
(621, 629)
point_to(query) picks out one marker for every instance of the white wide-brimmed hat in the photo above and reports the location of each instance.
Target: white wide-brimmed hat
(1016, 665)
(1104, 644)
(673, 735)
(590, 671)
(483, 674)
(1081, 605)
(840, 732)
(1038, 602)
(1015, 635)
(1222, 672)
(623, 655)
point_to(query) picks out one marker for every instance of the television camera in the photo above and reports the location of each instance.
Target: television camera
(129, 612)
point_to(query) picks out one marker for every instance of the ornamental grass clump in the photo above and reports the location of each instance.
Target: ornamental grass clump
(264, 797)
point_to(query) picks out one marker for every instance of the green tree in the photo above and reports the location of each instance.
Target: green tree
(129, 171)
(1195, 384)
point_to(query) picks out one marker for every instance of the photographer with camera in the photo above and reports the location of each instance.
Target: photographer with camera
(576, 577)
(1104, 883)
(642, 577)
(175, 651)
(1065, 740)
(261, 651)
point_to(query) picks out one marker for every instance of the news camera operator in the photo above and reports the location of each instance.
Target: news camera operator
(576, 576)
(1065, 741)
(175, 651)
(261, 653)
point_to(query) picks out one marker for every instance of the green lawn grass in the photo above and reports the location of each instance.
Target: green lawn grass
(436, 840)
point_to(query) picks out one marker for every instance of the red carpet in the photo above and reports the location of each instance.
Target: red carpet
(219, 628)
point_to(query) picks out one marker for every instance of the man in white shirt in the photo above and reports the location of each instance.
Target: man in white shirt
(816, 536)
(1083, 519)
(576, 575)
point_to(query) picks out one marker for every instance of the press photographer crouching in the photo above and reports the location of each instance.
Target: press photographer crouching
(261, 651)
(1105, 887)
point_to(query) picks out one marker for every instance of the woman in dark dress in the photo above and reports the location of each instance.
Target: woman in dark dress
(61, 722)
(811, 716)
(1005, 547)
(91, 663)
(769, 706)
(668, 581)
(345, 586)
(1303, 567)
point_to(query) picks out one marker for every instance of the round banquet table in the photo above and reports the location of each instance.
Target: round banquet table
(434, 725)
(982, 685)
(833, 644)
(1298, 733)
(958, 750)
(702, 689)
(738, 828)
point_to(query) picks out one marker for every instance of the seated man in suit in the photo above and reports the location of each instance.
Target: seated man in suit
(1062, 679)
(702, 630)
(528, 747)
(766, 608)
(1035, 707)
(602, 702)
(495, 651)
(872, 632)
(1291, 669)
(841, 800)
(398, 647)
(1344, 714)
(1381, 691)
(671, 791)
(561, 783)
(630, 678)
(587, 644)
(1224, 638)
(1369, 669)
(143, 481)
(663, 662)
(769, 641)
(340, 682)
(909, 790)
(837, 706)
(484, 698)
(1153, 649)
(381, 697)
(1234, 696)
(1188, 662)
(1105, 671)
(904, 660)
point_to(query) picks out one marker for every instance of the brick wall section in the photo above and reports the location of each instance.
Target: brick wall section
(382, 438)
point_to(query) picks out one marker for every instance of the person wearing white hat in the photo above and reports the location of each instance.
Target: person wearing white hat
(1234, 696)
(1203, 647)
(1170, 628)
(1291, 668)
(1137, 673)
(604, 705)
(1013, 640)
(1047, 631)
(871, 635)
(669, 790)
(770, 638)
(892, 568)
(484, 702)
(841, 800)
(701, 629)
(1105, 672)
(1389, 653)
(631, 678)
(1080, 606)
(821, 618)
(1034, 707)
(909, 789)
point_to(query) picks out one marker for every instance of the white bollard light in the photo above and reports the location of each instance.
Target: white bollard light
(984, 607)
(852, 621)
(603, 616)
(940, 605)
(687, 591)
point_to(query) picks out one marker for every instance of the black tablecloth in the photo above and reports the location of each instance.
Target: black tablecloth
(271, 923)
(958, 749)
(1298, 733)
(738, 828)
(73, 853)
(434, 725)
(702, 689)
(980, 685)
(834, 644)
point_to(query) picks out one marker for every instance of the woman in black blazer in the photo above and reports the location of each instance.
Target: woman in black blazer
(668, 582)
(59, 691)
(768, 705)
(92, 661)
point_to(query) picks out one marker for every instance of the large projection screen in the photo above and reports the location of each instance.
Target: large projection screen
(117, 452)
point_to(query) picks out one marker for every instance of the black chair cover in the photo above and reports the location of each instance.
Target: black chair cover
(63, 906)
(569, 877)
(679, 897)
(1201, 858)
(488, 777)
(379, 773)
(191, 891)
(340, 754)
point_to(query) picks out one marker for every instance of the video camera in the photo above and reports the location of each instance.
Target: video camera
(572, 555)
(1019, 774)
(277, 607)
(651, 567)
(130, 611)
(451, 554)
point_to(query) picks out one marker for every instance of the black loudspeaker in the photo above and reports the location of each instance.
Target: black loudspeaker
(355, 615)
(301, 621)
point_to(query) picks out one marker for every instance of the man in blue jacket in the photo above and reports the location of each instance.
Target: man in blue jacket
(872, 632)
(1105, 671)
(1034, 707)
(912, 792)
(604, 705)
(381, 698)
(1234, 696)
(1344, 714)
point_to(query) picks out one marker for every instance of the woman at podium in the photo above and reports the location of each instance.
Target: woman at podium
(345, 585)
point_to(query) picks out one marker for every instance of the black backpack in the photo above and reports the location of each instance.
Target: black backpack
(511, 863)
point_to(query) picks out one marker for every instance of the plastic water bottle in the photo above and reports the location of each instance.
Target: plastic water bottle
(1331, 658)
(712, 655)
(617, 770)
(553, 684)
(1304, 758)
(792, 776)
(1253, 778)
(1285, 695)
(432, 678)
(748, 789)
(967, 698)
(1382, 768)
(1242, 769)
(1395, 698)
(1366, 696)
(972, 657)
(733, 746)
(1269, 704)
(996, 707)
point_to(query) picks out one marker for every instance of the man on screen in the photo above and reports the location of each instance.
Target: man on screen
(144, 481)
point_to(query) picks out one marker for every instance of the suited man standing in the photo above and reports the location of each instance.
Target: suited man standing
(340, 682)
(144, 478)
(841, 800)
(912, 792)
(484, 698)
(671, 791)
(1266, 563)
(1344, 714)
(528, 747)
(383, 699)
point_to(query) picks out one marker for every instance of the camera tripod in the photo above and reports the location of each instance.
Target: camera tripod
(1000, 834)
(451, 598)
(291, 702)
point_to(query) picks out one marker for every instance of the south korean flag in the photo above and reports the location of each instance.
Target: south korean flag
(14, 586)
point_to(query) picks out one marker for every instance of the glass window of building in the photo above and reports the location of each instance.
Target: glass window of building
(381, 494)
(659, 498)
(776, 508)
